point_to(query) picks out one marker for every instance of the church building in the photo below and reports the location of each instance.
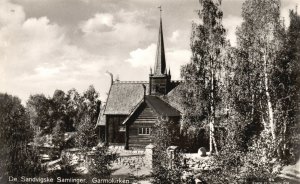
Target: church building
(133, 107)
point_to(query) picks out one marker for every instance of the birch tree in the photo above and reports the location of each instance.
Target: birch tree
(287, 90)
(259, 39)
(202, 74)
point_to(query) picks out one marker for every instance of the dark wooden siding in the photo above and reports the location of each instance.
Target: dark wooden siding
(145, 118)
(114, 125)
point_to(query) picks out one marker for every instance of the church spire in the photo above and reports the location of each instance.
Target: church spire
(160, 62)
(159, 80)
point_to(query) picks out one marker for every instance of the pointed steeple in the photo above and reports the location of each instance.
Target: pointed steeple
(160, 62)
(159, 80)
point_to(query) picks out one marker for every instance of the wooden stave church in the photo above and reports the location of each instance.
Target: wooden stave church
(133, 107)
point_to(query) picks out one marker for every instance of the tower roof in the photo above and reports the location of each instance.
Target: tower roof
(160, 60)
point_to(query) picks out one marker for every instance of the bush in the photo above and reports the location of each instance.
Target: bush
(101, 161)
(165, 134)
(260, 163)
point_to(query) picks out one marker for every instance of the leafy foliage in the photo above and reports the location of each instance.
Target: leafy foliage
(165, 169)
(260, 163)
(58, 134)
(76, 115)
(65, 112)
(40, 111)
(259, 86)
(202, 76)
(17, 159)
(87, 136)
(286, 82)
(100, 164)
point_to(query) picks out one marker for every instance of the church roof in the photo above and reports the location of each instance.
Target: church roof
(160, 62)
(173, 97)
(161, 107)
(124, 96)
(101, 121)
(157, 105)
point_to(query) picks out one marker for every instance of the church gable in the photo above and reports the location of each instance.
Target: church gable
(140, 126)
(161, 107)
(151, 107)
(143, 115)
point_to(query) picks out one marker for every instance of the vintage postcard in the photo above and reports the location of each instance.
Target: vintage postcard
(149, 91)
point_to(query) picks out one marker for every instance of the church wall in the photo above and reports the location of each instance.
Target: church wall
(141, 127)
(116, 131)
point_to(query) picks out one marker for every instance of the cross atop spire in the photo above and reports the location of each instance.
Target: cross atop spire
(160, 62)
(160, 10)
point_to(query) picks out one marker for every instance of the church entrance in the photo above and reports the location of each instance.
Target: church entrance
(116, 132)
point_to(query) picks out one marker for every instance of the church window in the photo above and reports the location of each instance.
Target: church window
(144, 131)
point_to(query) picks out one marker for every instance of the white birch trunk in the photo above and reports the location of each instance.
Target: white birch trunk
(212, 141)
(210, 136)
(269, 103)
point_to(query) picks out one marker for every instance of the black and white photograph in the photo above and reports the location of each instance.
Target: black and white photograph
(150, 91)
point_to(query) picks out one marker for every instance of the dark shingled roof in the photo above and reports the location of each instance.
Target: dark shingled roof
(101, 121)
(124, 96)
(173, 97)
(161, 107)
(156, 104)
(133, 111)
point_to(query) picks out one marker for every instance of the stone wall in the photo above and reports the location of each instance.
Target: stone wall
(149, 155)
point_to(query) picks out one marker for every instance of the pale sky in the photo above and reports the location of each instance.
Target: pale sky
(63, 44)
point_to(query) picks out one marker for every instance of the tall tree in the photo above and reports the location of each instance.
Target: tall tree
(15, 134)
(260, 39)
(74, 101)
(202, 75)
(86, 135)
(287, 90)
(59, 103)
(40, 111)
